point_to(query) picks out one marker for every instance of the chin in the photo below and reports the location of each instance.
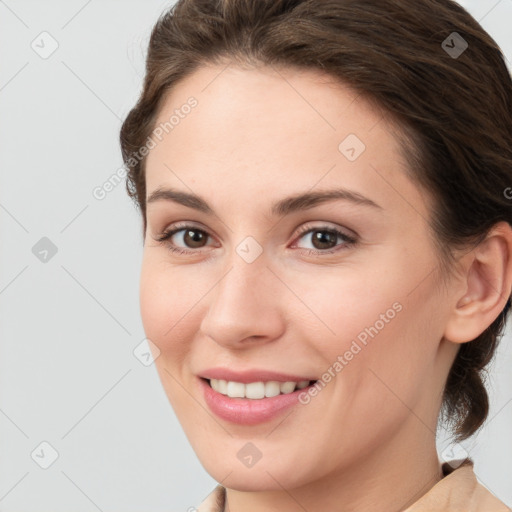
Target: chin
(270, 475)
(249, 480)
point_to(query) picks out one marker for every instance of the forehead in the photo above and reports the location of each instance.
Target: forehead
(258, 131)
(246, 107)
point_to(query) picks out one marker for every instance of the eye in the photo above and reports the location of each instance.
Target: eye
(324, 238)
(191, 236)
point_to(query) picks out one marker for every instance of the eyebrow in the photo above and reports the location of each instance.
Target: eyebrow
(286, 206)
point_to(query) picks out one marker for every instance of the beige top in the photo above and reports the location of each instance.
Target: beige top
(458, 491)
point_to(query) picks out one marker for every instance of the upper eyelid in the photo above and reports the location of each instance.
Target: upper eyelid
(303, 228)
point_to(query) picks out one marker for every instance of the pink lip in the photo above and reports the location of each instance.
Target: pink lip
(245, 411)
(248, 376)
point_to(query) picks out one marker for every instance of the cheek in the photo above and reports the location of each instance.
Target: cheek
(154, 297)
(389, 378)
(368, 325)
(172, 303)
(164, 303)
(164, 317)
(343, 303)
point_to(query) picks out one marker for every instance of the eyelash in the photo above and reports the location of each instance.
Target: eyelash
(349, 241)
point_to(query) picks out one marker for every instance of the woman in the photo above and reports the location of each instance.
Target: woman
(327, 244)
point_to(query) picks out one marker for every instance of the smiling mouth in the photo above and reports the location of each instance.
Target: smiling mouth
(256, 390)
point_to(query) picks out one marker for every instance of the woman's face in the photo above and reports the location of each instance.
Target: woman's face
(266, 290)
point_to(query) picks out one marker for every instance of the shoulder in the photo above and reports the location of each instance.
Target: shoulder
(459, 490)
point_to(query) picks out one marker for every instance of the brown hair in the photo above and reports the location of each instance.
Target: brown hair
(454, 112)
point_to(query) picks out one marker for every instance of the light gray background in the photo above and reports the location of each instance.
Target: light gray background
(68, 326)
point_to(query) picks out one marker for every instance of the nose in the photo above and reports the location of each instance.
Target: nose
(245, 307)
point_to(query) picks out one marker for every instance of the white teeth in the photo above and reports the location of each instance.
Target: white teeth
(236, 389)
(272, 388)
(222, 387)
(287, 387)
(256, 390)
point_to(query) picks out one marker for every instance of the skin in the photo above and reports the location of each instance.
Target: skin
(367, 440)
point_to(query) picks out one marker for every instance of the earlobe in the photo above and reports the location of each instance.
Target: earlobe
(488, 282)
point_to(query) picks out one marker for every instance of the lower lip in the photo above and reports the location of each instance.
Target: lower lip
(245, 411)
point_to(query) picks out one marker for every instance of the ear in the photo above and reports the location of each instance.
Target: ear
(487, 286)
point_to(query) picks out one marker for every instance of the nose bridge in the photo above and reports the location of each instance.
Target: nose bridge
(244, 303)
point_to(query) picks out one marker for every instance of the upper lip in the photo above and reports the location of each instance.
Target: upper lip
(253, 375)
